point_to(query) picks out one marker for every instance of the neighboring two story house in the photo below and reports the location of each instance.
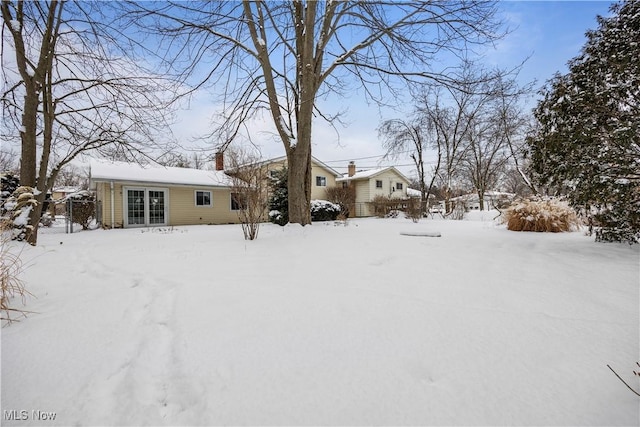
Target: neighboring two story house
(386, 182)
(322, 176)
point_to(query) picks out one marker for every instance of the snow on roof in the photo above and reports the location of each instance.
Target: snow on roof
(417, 193)
(133, 172)
(65, 189)
(313, 160)
(369, 173)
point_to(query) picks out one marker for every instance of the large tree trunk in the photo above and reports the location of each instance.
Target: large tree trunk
(34, 219)
(28, 159)
(481, 198)
(299, 184)
(299, 151)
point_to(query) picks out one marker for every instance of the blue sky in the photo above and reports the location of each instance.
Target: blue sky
(550, 33)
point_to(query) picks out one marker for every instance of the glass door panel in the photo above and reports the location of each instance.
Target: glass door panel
(135, 207)
(156, 207)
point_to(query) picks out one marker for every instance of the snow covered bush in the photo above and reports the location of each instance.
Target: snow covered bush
(323, 210)
(8, 184)
(542, 215)
(276, 217)
(18, 208)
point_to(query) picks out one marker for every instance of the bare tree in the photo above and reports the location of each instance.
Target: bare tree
(450, 126)
(513, 125)
(198, 160)
(414, 137)
(486, 158)
(282, 56)
(248, 190)
(73, 176)
(495, 135)
(72, 87)
(473, 123)
(512, 182)
(8, 160)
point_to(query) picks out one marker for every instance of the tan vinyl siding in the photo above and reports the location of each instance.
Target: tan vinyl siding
(183, 209)
(389, 180)
(320, 192)
(103, 194)
(363, 197)
(317, 192)
(366, 190)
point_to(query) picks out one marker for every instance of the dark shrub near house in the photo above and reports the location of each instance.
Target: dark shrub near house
(322, 210)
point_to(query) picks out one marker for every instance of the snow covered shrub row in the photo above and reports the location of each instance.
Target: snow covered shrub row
(323, 210)
(544, 215)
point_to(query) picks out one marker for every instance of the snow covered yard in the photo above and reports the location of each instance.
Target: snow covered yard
(326, 325)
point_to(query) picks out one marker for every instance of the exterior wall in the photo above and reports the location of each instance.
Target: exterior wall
(320, 192)
(363, 197)
(103, 194)
(389, 180)
(317, 192)
(366, 191)
(182, 209)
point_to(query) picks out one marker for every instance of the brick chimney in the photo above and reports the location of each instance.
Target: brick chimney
(352, 168)
(219, 161)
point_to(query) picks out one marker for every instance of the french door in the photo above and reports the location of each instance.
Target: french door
(145, 206)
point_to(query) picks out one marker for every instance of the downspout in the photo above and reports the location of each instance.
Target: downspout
(113, 208)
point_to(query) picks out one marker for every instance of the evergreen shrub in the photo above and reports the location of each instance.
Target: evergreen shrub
(323, 210)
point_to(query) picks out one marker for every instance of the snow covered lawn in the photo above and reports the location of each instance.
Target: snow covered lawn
(326, 325)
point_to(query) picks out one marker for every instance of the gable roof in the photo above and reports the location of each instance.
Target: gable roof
(368, 174)
(313, 160)
(101, 170)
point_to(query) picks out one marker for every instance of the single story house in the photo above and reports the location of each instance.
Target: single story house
(385, 182)
(132, 195)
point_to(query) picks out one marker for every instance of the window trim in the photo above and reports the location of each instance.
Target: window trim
(195, 198)
(399, 186)
(379, 181)
(321, 181)
(125, 205)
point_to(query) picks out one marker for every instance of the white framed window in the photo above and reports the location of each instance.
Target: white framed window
(321, 181)
(398, 186)
(378, 183)
(203, 198)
